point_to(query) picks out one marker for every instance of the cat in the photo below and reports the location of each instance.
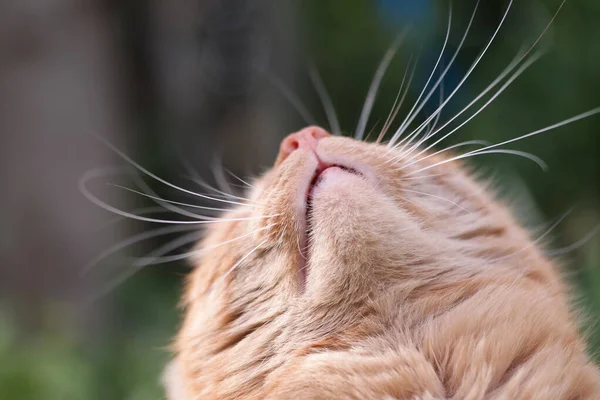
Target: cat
(357, 270)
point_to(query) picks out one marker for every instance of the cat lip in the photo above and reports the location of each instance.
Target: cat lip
(320, 172)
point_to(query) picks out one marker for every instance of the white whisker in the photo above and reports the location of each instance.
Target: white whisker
(157, 178)
(434, 196)
(467, 143)
(91, 174)
(437, 118)
(546, 129)
(517, 73)
(576, 245)
(219, 175)
(145, 188)
(535, 242)
(375, 83)
(218, 193)
(421, 177)
(145, 261)
(408, 118)
(332, 118)
(239, 179)
(196, 178)
(241, 260)
(167, 201)
(172, 245)
(541, 163)
(546, 28)
(373, 129)
(113, 284)
(398, 104)
(138, 211)
(549, 128)
(511, 66)
(131, 241)
(294, 100)
(475, 63)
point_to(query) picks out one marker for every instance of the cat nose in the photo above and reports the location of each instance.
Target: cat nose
(306, 138)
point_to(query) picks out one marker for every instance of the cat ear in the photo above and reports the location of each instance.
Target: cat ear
(173, 382)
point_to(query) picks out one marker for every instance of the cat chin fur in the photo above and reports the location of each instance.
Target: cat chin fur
(408, 296)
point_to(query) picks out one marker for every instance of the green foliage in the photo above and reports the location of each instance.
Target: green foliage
(48, 367)
(54, 366)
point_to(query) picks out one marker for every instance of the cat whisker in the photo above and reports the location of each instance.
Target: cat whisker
(174, 244)
(332, 118)
(418, 206)
(138, 211)
(375, 83)
(241, 260)
(462, 144)
(548, 128)
(155, 177)
(434, 196)
(146, 261)
(475, 63)
(431, 126)
(421, 177)
(398, 104)
(574, 246)
(167, 205)
(541, 163)
(294, 100)
(206, 220)
(152, 260)
(437, 118)
(219, 193)
(239, 179)
(546, 28)
(408, 118)
(510, 67)
(537, 241)
(162, 200)
(196, 178)
(131, 241)
(539, 131)
(219, 175)
(373, 129)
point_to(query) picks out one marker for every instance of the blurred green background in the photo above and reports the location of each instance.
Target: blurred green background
(190, 82)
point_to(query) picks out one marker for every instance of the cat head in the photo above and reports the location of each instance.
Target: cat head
(331, 240)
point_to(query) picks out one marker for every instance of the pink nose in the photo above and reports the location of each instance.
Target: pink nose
(306, 138)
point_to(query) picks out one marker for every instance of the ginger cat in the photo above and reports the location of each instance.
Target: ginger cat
(363, 271)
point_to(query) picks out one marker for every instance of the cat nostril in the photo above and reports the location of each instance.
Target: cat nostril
(306, 138)
(293, 144)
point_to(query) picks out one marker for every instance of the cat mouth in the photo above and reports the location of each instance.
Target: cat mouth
(305, 238)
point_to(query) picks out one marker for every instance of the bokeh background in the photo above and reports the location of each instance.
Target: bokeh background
(183, 86)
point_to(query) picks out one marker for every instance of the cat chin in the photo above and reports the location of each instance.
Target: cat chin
(337, 179)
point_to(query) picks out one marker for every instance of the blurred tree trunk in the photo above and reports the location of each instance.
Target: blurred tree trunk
(58, 82)
(213, 60)
(203, 65)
